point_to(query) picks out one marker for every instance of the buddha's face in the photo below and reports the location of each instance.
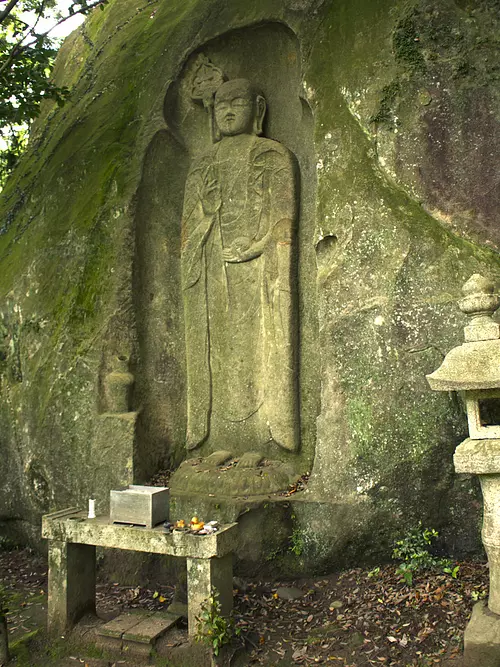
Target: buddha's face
(235, 108)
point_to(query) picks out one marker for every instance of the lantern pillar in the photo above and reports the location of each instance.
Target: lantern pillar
(473, 369)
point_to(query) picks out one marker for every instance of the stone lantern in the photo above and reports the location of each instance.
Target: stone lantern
(473, 369)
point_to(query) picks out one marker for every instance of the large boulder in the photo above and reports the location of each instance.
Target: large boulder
(391, 109)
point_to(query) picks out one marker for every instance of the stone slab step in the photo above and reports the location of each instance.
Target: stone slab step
(150, 629)
(121, 624)
(143, 627)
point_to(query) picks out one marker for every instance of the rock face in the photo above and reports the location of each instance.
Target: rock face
(390, 110)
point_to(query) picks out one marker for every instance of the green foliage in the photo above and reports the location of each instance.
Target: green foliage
(412, 550)
(214, 629)
(372, 574)
(478, 595)
(296, 542)
(274, 553)
(27, 57)
(451, 570)
(6, 543)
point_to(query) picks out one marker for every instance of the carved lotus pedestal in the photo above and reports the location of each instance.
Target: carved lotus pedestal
(249, 489)
(225, 475)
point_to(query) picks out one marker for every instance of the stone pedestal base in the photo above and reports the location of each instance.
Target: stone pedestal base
(232, 478)
(482, 638)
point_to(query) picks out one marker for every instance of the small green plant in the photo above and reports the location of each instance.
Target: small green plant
(296, 542)
(452, 571)
(6, 544)
(214, 629)
(413, 552)
(274, 553)
(373, 573)
(478, 595)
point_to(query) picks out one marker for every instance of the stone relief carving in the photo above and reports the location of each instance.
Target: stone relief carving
(238, 277)
(118, 385)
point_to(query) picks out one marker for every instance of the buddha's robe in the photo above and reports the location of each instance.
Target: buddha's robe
(240, 317)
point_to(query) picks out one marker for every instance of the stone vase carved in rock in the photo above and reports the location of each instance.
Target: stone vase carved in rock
(118, 386)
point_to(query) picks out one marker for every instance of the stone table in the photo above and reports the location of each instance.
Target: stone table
(73, 539)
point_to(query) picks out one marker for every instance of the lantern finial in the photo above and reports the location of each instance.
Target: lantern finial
(479, 303)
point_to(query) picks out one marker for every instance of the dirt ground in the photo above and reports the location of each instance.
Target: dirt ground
(355, 618)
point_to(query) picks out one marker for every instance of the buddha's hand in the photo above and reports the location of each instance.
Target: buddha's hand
(241, 251)
(210, 197)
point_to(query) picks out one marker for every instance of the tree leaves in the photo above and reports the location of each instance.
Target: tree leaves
(27, 57)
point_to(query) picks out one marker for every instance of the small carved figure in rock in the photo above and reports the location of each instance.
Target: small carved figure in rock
(239, 282)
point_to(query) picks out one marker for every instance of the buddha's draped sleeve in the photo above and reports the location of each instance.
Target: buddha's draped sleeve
(196, 227)
(275, 184)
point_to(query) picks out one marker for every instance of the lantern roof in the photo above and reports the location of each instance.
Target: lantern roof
(476, 363)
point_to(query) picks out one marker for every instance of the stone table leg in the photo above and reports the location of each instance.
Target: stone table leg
(71, 584)
(203, 574)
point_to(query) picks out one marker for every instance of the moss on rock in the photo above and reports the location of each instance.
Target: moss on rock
(400, 207)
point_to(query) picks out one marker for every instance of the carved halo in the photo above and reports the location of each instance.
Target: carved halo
(206, 80)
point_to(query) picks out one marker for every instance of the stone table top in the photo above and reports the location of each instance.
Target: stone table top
(72, 525)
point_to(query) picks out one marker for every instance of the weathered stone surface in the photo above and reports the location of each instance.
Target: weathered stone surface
(119, 625)
(232, 479)
(149, 628)
(218, 458)
(141, 505)
(490, 486)
(203, 575)
(396, 141)
(72, 574)
(71, 585)
(474, 365)
(239, 285)
(480, 457)
(482, 638)
(289, 593)
(250, 460)
(100, 532)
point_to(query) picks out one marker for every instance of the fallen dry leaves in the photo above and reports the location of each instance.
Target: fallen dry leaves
(359, 618)
(355, 619)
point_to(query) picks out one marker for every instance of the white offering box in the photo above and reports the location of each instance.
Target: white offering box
(140, 505)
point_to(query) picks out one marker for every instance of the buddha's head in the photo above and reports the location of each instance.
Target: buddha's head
(239, 108)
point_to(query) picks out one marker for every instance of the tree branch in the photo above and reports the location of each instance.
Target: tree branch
(83, 10)
(19, 47)
(8, 9)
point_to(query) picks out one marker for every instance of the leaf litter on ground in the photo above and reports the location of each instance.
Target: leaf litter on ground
(355, 618)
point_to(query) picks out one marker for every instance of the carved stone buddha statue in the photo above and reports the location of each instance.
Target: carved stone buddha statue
(239, 283)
